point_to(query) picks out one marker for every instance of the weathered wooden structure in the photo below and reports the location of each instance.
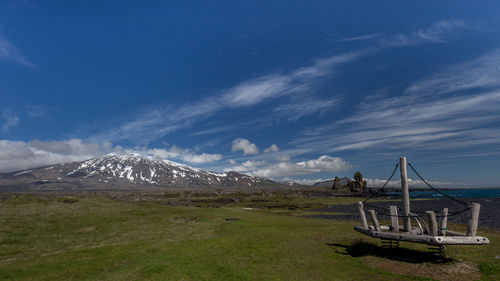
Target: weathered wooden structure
(431, 234)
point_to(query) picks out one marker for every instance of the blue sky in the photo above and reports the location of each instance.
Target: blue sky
(287, 89)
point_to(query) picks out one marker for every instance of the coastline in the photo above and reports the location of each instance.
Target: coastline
(488, 216)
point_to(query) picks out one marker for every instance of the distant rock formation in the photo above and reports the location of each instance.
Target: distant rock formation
(337, 185)
(358, 185)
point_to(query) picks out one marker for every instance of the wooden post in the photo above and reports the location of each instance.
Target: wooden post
(394, 218)
(406, 193)
(474, 218)
(432, 223)
(376, 225)
(362, 215)
(444, 222)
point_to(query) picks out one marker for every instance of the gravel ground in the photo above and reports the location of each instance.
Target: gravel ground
(489, 216)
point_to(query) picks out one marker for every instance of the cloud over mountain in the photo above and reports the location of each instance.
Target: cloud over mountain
(18, 155)
(244, 145)
(323, 163)
(272, 148)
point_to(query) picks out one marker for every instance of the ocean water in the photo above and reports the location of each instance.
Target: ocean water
(455, 193)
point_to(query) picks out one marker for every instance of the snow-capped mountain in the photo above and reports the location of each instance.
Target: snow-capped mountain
(124, 172)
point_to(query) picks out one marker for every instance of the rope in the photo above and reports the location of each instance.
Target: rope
(450, 214)
(419, 225)
(382, 188)
(456, 200)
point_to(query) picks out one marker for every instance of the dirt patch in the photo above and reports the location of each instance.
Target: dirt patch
(445, 272)
(187, 219)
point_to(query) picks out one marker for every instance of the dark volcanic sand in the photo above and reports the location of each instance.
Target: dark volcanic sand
(489, 215)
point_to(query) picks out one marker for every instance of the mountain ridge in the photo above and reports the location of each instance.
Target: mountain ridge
(113, 171)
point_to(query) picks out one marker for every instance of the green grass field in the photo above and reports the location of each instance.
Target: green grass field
(96, 238)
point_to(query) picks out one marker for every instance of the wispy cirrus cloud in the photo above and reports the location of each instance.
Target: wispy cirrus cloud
(156, 122)
(454, 108)
(411, 119)
(9, 52)
(438, 32)
(10, 119)
(295, 110)
(36, 111)
(481, 73)
(338, 38)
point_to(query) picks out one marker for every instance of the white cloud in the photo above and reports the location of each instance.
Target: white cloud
(302, 181)
(282, 169)
(244, 145)
(10, 119)
(9, 52)
(284, 158)
(272, 148)
(18, 155)
(256, 90)
(373, 183)
(71, 147)
(246, 166)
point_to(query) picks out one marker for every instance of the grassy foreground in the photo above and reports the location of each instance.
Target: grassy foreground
(103, 239)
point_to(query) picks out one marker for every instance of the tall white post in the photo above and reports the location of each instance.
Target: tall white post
(406, 193)
(362, 215)
(444, 221)
(474, 219)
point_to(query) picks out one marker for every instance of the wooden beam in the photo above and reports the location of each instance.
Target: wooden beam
(362, 215)
(444, 222)
(376, 225)
(406, 193)
(394, 218)
(474, 219)
(415, 230)
(427, 239)
(432, 223)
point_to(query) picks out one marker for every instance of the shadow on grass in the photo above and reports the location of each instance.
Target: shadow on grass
(362, 248)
